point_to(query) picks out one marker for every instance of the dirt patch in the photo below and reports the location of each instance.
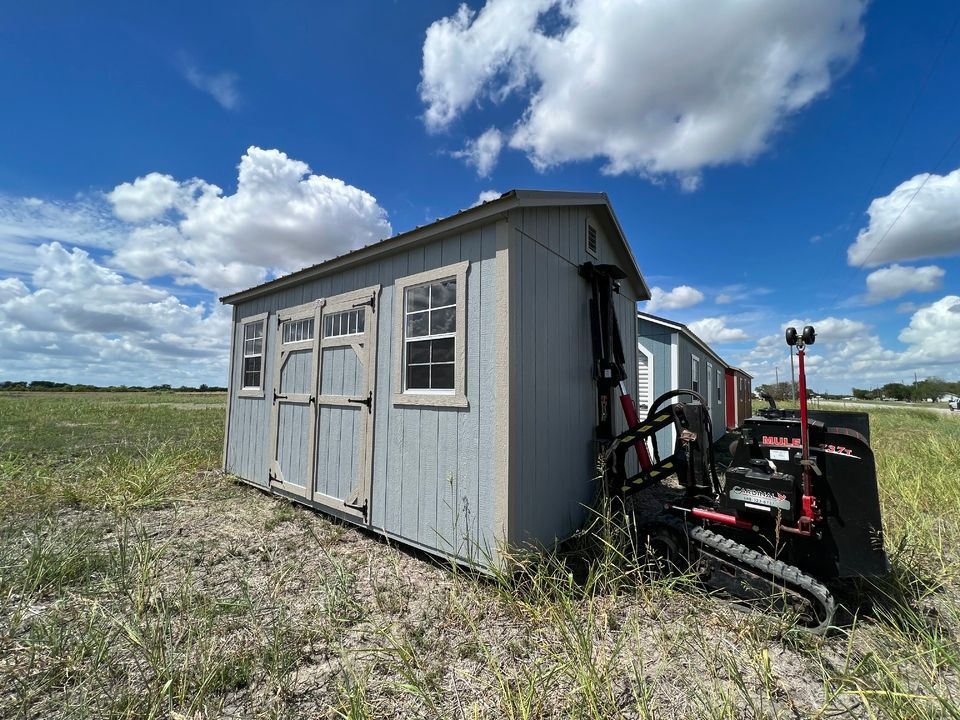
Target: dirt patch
(244, 605)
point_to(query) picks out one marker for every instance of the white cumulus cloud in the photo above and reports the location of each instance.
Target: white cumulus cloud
(280, 217)
(649, 87)
(95, 290)
(934, 332)
(682, 296)
(83, 322)
(482, 152)
(486, 196)
(714, 330)
(898, 280)
(909, 225)
(849, 353)
(152, 195)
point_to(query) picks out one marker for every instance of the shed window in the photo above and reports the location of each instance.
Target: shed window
(430, 326)
(348, 322)
(719, 387)
(297, 330)
(695, 373)
(430, 351)
(253, 354)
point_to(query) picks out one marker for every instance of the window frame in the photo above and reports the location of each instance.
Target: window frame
(296, 341)
(641, 350)
(457, 397)
(720, 388)
(695, 376)
(253, 391)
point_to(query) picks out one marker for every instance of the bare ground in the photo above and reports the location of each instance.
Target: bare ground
(291, 614)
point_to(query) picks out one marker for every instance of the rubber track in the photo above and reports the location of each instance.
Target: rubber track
(763, 564)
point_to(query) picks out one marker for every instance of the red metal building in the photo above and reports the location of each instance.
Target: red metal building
(739, 396)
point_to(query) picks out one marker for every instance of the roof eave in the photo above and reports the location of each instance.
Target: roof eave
(680, 327)
(482, 213)
(489, 210)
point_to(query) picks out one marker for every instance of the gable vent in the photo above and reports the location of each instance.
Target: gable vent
(591, 240)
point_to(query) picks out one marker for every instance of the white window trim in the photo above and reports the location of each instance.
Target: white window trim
(695, 377)
(711, 400)
(282, 330)
(720, 386)
(253, 392)
(649, 355)
(457, 397)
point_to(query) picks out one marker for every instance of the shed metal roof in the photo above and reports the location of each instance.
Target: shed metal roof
(692, 336)
(480, 213)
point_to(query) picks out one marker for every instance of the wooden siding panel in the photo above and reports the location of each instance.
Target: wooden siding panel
(465, 502)
(486, 312)
(427, 532)
(556, 391)
(433, 474)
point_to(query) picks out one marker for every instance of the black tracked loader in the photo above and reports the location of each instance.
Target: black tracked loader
(795, 511)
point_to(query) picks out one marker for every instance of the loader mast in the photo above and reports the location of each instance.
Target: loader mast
(609, 360)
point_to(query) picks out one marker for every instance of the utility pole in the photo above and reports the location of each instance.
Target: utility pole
(776, 370)
(793, 381)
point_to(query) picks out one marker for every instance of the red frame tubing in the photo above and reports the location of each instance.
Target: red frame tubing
(721, 518)
(809, 510)
(630, 414)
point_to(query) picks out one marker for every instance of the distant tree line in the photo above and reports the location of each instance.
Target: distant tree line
(920, 391)
(784, 391)
(50, 386)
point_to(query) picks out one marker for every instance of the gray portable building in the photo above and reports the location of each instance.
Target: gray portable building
(436, 386)
(670, 356)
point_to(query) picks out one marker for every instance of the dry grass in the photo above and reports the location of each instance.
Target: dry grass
(136, 582)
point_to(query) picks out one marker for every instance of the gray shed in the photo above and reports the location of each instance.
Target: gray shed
(435, 387)
(671, 356)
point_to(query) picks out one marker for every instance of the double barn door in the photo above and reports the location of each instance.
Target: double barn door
(323, 401)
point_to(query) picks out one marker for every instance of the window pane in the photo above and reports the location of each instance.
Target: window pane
(442, 376)
(251, 372)
(418, 377)
(418, 353)
(417, 324)
(253, 330)
(443, 293)
(258, 346)
(443, 321)
(418, 298)
(442, 350)
(361, 318)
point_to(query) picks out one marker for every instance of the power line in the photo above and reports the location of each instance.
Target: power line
(890, 227)
(913, 105)
(916, 98)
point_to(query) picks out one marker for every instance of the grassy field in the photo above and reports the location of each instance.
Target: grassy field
(137, 581)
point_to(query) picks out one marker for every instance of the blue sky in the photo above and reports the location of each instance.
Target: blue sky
(741, 142)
